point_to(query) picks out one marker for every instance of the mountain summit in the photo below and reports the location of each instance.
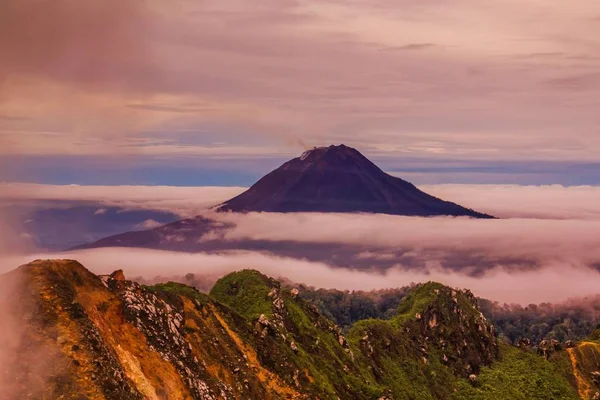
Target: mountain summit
(339, 179)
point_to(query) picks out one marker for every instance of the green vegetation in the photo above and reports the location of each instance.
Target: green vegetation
(518, 375)
(420, 351)
(245, 291)
(416, 301)
(574, 320)
(436, 344)
(347, 307)
(180, 289)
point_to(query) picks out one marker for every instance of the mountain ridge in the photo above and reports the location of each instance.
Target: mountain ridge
(109, 338)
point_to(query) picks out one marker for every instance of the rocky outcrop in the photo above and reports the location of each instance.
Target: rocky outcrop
(162, 324)
(452, 323)
(547, 347)
(250, 339)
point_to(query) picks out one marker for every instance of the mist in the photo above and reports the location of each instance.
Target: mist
(502, 201)
(552, 283)
(548, 253)
(26, 358)
(184, 201)
(540, 241)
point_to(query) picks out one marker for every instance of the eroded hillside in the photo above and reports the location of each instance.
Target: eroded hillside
(74, 335)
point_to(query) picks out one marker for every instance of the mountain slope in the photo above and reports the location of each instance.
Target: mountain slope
(339, 179)
(104, 337)
(582, 362)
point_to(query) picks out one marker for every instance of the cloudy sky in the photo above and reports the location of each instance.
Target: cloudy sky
(217, 93)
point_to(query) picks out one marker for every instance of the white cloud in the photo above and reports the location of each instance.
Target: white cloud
(553, 283)
(504, 201)
(508, 201)
(554, 227)
(543, 241)
(185, 201)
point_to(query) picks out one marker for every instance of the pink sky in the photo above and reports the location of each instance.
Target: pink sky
(470, 80)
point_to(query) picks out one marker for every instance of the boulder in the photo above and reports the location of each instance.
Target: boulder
(118, 275)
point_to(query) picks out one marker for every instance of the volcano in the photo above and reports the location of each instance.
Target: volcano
(334, 179)
(339, 179)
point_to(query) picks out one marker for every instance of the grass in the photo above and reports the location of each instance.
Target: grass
(518, 375)
(245, 291)
(180, 289)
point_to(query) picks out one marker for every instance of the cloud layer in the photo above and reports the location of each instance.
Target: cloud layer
(185, 201)
(503, 201)
(547, 251)
(550, 284)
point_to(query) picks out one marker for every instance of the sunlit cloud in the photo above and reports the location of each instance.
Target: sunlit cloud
(553, 283)
(542, 249)
(441, 81)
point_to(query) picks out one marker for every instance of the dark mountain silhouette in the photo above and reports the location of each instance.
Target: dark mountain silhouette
(339, 179)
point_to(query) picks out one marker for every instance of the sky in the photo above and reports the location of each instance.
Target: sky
(217, 93)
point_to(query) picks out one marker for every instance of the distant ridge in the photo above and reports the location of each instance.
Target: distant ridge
(339, 179)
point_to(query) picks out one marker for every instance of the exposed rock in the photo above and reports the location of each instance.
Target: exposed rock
(295, 292)
(162, 325)
(118, 275)
(547, 347)
(524, 343)
(595, 376)
(365, 342)
(433, 322)
(263, 320)
(199, 347)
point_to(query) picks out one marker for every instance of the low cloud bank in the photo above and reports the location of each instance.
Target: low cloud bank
(516, 201)
(552, 283)
(504, 201)
(544, 242)
(547, 251)
(25, 360)
(184, 201)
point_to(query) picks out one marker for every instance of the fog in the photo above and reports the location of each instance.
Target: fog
(26, 362)
(184, 201)
(543, 241)
(552, 283)
(508, 201)
(502, 201)
(549, 253)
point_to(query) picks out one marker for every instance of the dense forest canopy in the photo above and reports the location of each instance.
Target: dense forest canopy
(571, 320)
